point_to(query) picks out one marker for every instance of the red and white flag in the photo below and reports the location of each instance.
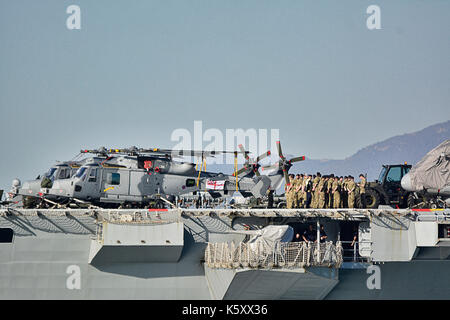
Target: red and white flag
(215, 185)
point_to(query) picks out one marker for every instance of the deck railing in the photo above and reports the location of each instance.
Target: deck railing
(352, 251)
(278, 255)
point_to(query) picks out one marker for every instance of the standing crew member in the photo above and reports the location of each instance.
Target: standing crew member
(325, 191)
(351, 186)
(362, 191)
(335, 189)
(345, 192)
(321, 193)
(315, 193)
(323, 235)
(289, 192)
(309, 235)
(295, 186)
(329, 191)
(341, 191)
(307, 186)
(298, 191)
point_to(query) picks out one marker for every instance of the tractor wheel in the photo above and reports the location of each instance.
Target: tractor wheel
(372, 199)
(281, 205)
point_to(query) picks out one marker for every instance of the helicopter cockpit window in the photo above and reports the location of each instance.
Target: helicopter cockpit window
(64, 173)
(80, 172)
(93, 175)
(394, 175)
(113, 178)
(72, 171)
(161, 166)
(144, 163)
(190, 183)
(50, 173)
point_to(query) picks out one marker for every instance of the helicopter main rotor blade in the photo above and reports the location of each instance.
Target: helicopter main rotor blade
(245, 153)
(296, 159)
(263, 156)
(241, 171)
(191, 153)
(157, 151)
(195, 153)
(273, 166)
(280, 153)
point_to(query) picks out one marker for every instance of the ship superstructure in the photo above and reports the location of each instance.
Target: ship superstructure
(185, 253)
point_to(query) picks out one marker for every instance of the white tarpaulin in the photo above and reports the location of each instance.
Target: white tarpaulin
(269, 235)
(433, 171)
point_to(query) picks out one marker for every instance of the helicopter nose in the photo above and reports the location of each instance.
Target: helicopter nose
(16, 183)
(406, 183)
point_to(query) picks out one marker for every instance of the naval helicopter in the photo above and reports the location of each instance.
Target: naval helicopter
(133, 177)
(429, 180)
(30, 192)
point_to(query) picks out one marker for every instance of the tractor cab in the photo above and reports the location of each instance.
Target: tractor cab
(393, 173)
(387, 189)
(390, 178)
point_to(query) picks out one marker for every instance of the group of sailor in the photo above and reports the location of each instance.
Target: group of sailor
(324, 192)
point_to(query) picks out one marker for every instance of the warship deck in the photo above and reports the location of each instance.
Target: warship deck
(185, 253)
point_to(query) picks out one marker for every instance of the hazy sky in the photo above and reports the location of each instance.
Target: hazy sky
(137, 70)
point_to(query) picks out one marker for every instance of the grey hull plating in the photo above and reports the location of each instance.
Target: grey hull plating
(38, 264)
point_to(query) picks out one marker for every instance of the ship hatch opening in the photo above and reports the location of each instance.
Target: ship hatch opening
(300, 228)
(444, 231)
(6, 235)
(348, 231)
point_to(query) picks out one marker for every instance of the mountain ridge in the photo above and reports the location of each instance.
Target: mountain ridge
(407, 147)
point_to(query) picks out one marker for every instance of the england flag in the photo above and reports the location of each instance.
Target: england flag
(215, 185)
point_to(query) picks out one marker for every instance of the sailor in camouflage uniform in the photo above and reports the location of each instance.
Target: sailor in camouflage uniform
(325, 191)
(295, 182)
(362, 190)
(289, 192)
(341, 191)
(298, 191)
(335, 190)
(321, 193)
(315, 192)
(351, 189)
(329, 191)
(345, 192)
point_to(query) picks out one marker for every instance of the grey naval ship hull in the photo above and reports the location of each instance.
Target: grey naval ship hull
(53, 256)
